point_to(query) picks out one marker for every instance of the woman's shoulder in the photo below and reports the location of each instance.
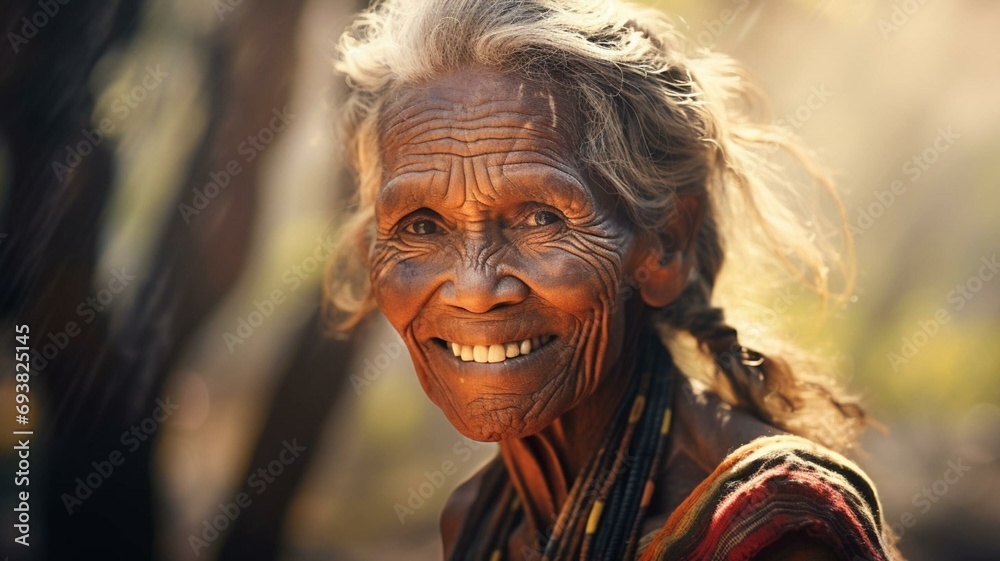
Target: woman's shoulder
(766, 495)
(485, 489)
(458, 504)
(704, 430)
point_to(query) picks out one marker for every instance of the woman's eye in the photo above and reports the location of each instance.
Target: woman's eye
(543, 218)
(422, 227)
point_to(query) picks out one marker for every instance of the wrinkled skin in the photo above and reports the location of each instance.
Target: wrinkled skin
(490, 231)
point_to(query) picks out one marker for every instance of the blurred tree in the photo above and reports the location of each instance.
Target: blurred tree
(102, 383)
(59, 176)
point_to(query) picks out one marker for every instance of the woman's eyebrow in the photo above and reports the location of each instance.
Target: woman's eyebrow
(521, 180)
(553, 181)
(414, 184)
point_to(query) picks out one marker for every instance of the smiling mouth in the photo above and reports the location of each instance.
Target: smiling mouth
(495, 353)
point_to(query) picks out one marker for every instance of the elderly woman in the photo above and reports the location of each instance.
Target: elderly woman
(547, 190)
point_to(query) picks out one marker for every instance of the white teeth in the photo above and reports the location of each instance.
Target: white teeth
(525, 346)
(497, 352)
(480, 353)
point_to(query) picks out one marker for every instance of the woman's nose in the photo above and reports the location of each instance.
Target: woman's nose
(481, 287)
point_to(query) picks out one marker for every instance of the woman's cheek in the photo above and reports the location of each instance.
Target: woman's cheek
(580, 283)
(400, 290)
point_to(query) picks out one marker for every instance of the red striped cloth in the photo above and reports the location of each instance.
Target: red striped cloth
(772, 487)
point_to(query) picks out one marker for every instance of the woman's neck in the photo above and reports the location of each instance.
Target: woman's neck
(544, 466)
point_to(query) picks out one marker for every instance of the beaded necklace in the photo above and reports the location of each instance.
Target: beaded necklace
(602, 517)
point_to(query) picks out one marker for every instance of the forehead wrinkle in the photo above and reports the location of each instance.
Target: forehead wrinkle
(419, 112)
(466, 184)
(524, 174)
(483, 150)
(483, 127)
(484, 183)
(422, 111)
(456, 183)
(411, 130)
(442, 138)
(513, 123)
(413, 101)
(469, 172)
(481, 134)
(417, 167)
(412, 165)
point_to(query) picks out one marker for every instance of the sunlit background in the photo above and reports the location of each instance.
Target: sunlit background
(901, 99)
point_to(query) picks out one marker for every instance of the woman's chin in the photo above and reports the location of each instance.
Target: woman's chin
(485, 424)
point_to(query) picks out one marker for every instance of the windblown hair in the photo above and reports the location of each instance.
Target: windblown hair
(661, 118)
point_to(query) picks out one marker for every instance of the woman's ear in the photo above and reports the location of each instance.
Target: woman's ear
(667, 259)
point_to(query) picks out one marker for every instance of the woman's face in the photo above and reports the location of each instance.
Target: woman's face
(494, 245)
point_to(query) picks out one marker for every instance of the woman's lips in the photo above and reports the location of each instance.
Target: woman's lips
(496, 352)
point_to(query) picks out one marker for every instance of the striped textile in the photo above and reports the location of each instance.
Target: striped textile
(772, 487)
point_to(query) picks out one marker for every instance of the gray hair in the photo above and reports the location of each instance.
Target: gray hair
(660, 118)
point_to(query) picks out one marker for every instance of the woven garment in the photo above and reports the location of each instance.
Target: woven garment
(772, 487)
(768, 489)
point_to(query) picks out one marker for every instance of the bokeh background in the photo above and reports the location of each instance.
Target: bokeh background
(207, 297)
